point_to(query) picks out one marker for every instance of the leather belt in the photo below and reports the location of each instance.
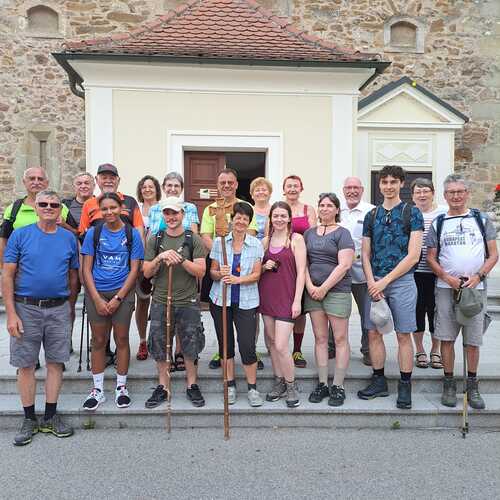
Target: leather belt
(44, 303)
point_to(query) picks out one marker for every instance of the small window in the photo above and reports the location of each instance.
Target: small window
(404, 34)
(43, 20)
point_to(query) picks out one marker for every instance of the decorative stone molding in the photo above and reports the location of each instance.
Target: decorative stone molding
(407, 153)
(404, 34)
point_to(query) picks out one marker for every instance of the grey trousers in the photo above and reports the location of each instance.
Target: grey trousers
(359, 292)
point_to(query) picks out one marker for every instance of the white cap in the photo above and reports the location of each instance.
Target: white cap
(381, 317)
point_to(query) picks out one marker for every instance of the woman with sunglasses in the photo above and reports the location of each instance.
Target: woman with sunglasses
(330, 253)
(111, 262)
(422, 191)
(280, 288)
(303, 217)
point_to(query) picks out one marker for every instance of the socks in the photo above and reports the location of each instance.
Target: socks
(50, 410)
(121, 380)
(252, 386)
(98, 381)
(297, 341)
(405, 376)
(471, 374)
(323, 374)
(379, 372)
(29, 412)
(338, 378)
(448, 374)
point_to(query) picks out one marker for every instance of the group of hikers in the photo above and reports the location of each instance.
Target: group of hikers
(405, 265)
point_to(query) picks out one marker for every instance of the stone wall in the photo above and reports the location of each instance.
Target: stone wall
(460, 63)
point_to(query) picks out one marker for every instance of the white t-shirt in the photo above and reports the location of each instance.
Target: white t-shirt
(462, 246)
(352, 219)
(422, 266)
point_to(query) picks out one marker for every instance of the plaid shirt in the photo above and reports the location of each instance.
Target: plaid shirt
(157, 223)
(251, 252)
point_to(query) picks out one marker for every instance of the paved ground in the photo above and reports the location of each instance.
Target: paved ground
(255, 463)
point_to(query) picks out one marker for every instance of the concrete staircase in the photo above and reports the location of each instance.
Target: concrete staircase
(379, 413)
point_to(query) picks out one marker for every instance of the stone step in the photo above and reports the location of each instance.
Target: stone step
(427, 412)
(142, 378)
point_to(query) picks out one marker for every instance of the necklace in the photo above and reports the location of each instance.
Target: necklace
(325, 226)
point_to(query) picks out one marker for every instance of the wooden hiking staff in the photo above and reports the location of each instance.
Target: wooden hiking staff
(221, 230)
(169, 347)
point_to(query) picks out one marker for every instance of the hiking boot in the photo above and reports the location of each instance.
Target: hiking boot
(55, 425)
(320, 392)
(25, 434)
(404, 395)
(298, 360)
(231, 394)
(366, 360)
(94, 399)
(260, 363)
(377, 388)
(142, 352)
(337, 396)
(122, 398)
(277, 391)
(194, 395)
(292, 394)
(449, 396)
(473, 397)
(215, 362)
(159, 396)
(254, 398)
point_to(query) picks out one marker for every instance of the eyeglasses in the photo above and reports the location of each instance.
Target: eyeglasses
(45, 204)
(460, 192)
(422, 191)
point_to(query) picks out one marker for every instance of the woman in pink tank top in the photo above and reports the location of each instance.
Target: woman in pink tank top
(303, 217)
(280, 288)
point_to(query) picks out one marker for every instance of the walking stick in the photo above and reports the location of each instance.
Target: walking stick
(88, 342)
(169, 347)
(221, 230)
(81, 338)
(465, 411)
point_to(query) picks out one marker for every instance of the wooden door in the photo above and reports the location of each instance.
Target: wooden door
(201, 169)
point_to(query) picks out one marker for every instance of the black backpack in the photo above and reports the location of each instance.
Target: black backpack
(479, 221)
(70, 220)
(128, 233)
(130, 205)
(7, 226)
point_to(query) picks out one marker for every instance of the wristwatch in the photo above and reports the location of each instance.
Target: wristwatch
(119, 299)
(482, 276)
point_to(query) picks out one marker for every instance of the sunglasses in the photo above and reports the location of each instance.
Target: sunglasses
(45, 204)
(388, 217)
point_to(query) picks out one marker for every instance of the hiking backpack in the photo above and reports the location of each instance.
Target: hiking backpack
(7, 226)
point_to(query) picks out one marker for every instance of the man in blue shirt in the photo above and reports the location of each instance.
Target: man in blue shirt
(391, 246)
(40, 276)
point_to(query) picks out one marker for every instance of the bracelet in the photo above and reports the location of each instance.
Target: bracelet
(119, 299)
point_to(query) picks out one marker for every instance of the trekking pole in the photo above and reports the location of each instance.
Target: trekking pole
(81, 338)
(169, 347)
(88, 342)
(465, 411)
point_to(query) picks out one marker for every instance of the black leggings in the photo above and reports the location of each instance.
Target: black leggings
(426, 303)
(245, 321)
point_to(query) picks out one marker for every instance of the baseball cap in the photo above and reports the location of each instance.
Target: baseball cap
(172, 203)
(107, 168)
(470, 304)
(381, 317)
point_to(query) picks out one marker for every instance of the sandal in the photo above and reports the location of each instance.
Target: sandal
(179, 362)
(419, 363)
(436, 361)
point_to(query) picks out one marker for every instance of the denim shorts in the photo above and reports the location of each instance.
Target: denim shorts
(401, 296)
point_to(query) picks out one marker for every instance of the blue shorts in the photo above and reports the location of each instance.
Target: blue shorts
(401, 296)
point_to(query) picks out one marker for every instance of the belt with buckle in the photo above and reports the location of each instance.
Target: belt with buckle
(45, 303)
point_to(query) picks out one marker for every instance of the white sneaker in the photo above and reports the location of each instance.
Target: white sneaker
(231, 394)
(254, 398)
(94, 399)
(122, 399)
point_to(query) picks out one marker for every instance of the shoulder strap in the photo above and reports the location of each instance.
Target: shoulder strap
(131, 205)
(67, 201)
(16, 206)
(188, 242)
(96, 236)
(406, 215)
(480, 223)
(373, 215)
(159, 238)
(305, 210)
(439, 230)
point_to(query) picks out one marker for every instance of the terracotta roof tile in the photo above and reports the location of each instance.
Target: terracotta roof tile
(220, 29)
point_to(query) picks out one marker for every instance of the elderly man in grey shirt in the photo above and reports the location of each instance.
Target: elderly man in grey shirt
(352, 215)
